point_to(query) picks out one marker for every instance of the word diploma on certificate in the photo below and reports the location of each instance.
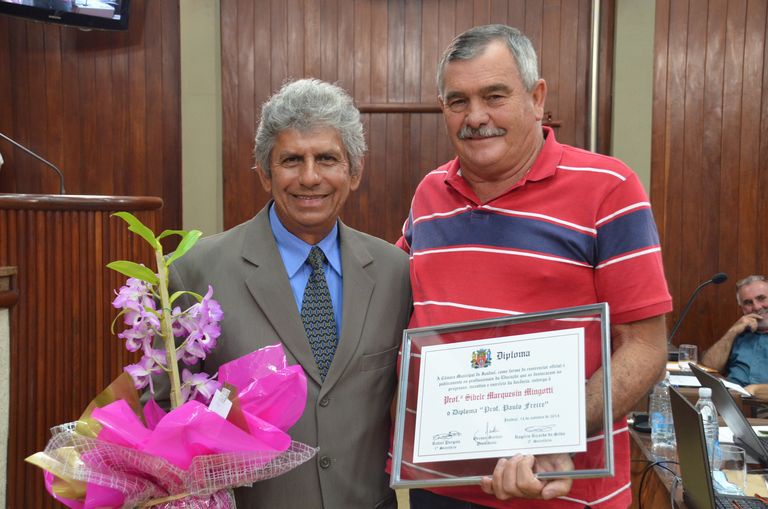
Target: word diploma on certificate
(496, 397)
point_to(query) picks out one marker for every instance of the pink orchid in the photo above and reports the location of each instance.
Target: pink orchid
(198, 386)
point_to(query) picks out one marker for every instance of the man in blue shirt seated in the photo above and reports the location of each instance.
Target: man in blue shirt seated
(742, 352)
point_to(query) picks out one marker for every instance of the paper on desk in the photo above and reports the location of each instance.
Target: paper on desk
(692, 381)
(725, 436)
(684, 381)
(736, 387)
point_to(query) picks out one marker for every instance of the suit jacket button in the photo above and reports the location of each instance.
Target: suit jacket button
(324, 402)
(325, 462)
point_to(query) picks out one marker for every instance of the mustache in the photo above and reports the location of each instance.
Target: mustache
(480, 132)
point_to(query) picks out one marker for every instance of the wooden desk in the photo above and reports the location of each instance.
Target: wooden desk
(754, 407)
(657, 483)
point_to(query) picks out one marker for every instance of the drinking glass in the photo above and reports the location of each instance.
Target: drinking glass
(732, 461)
(686, 354)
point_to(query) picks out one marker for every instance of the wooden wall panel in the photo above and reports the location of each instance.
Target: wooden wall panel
(385, 53)
(105, 108)
(63, 352)
(709, 153)
(102, 106)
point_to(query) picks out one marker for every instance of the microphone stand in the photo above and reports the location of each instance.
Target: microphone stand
(718, 278)
(25, 149)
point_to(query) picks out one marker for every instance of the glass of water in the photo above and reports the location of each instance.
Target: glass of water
(686, 354)
(732, 461)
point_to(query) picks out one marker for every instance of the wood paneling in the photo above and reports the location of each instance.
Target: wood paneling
(62, 350)
(385, 54)
(8, 293)
(102, 106)
(709, 153)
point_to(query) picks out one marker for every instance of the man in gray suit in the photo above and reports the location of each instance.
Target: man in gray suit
(309, 154)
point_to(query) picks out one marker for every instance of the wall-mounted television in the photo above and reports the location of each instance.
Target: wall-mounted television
(86, 14)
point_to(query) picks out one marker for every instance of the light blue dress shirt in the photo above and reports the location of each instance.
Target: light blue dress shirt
(748, 362)
(294, 252)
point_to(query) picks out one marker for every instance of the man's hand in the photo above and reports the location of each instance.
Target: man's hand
(716, 356)
(516, 477)
(760, 391)
(747, 322)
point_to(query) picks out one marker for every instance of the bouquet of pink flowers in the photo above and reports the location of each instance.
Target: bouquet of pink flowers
(223, 431)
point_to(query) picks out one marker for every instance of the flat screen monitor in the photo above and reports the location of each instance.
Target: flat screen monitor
(87, 14)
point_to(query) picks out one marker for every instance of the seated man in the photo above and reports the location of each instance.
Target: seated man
(742, 353)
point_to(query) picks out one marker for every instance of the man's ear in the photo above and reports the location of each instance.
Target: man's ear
(266, 182)
(355, 179)
(539, 97)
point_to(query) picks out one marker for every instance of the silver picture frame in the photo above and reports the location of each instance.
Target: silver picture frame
(464, 472)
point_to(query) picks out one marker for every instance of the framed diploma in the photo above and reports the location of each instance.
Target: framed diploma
(473, 392)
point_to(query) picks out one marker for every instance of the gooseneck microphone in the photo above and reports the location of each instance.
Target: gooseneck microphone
(39, 158)
(718, 278)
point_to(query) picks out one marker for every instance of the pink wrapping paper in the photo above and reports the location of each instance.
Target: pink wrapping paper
(174, 452)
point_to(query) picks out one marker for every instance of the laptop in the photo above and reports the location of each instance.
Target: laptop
(698, 491)
(743, 434)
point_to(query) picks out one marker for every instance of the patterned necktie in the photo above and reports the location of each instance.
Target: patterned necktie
(317, 314)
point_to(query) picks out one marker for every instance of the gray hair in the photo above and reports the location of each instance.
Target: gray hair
(754, 278)
(473, 42)
(305, 105)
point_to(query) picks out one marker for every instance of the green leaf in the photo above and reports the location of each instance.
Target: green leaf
(176, 295)
(168, 233)
(189, 240)
(132, 269)
(138, 227)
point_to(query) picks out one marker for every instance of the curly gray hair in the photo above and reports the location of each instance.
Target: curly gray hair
(308, 104)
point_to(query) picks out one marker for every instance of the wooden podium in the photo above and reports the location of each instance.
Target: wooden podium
(62, 351)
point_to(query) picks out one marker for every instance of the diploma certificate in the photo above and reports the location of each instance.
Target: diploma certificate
(501, 396)
(474, 391)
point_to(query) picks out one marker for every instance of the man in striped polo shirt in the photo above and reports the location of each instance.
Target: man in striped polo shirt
(521, 223)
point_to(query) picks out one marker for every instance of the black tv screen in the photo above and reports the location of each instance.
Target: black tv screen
(89, 14)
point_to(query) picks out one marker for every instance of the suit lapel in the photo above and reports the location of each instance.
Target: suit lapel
(358, 288)
(269, 286)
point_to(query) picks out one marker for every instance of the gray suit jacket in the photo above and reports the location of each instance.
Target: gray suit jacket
(347, 416)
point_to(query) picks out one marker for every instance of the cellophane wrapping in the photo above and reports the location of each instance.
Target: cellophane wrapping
(119, 455)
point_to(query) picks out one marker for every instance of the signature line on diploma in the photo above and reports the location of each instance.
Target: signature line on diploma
(540, 428)
(443, 436)
(490, 429)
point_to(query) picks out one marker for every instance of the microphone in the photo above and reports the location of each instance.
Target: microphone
(39, 158)
(718, 278)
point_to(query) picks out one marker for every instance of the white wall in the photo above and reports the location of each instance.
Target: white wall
(201, 116)
(633, 86)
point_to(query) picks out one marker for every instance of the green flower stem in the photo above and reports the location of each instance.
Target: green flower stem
(167, 332)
